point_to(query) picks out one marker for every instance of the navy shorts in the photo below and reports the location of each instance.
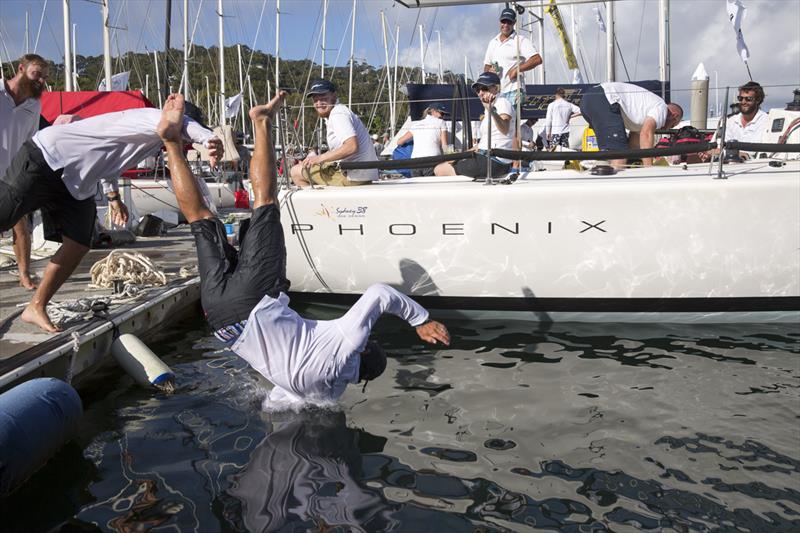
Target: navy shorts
(232, 283)
(605, 119)
(30, 184)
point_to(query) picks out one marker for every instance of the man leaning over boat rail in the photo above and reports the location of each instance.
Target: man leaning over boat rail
(348, 140)
(243, 293)
(59, 169)
(612, 107)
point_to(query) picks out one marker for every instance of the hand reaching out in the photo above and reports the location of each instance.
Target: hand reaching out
(434, 332)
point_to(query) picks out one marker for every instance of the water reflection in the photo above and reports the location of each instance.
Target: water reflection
(305, 472)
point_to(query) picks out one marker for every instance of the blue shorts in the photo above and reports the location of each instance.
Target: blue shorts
(605, 119)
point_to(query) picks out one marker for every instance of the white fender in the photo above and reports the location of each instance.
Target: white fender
(141, 363)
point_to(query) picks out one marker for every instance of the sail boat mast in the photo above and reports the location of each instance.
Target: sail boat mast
(663, 45)
(67, 49)
(106, 47)
(186, 49)
(221, 65)
(611, 52)
(352, 51)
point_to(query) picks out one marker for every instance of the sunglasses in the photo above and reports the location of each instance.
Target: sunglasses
(479, 88)
(746, 98)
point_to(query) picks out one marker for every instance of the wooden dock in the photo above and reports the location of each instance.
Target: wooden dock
(73, 355)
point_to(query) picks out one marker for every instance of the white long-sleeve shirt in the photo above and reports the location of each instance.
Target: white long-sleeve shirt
(314, 361)
(556, 121)
(17, 124)
(100, 148)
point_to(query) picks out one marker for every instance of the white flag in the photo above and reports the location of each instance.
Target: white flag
(232, 105)
(736, 13)
(598, 17)
(119, 82)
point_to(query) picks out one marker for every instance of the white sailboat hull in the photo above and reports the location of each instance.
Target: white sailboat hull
(646, 244)
(152, 195)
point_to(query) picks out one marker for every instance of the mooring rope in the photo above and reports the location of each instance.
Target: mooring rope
(131, 268)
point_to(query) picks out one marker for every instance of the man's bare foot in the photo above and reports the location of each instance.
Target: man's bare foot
(171, 123)
(26, 281)
(267, 111)
(38, 317)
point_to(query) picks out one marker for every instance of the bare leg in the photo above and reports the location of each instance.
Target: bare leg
(58, 270)
(22, 251)
(297, 176)
(190, 200)
(263, 173)
(444, 169)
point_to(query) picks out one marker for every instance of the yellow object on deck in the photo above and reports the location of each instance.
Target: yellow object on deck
(589, 143)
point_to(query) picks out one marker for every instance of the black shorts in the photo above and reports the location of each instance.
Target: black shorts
(231, 283)
(30, 184)
(422, 172)
(475, 167)
(605, 119)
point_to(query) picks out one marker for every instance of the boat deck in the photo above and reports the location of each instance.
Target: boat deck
(27, 352)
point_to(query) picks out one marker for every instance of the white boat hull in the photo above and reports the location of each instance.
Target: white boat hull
(646, 244)
(152, 195)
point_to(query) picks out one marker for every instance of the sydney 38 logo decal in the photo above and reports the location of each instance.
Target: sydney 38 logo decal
(334, 212)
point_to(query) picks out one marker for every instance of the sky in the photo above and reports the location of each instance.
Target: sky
(699, 30)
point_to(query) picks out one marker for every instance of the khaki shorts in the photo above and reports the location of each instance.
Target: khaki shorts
(330, 176)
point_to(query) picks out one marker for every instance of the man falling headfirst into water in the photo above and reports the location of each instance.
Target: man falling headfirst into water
(244, 293)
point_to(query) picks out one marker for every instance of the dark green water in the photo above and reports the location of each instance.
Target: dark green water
(515, 427)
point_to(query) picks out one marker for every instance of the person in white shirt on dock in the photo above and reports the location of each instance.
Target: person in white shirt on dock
(20, 110)
(429, 134)
(612, 107)
(348, 140)
(556, 122)
(59, 169)
(243, 293)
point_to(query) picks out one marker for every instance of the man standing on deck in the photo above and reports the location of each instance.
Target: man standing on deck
(244, 293)
(510, 55)
(20, 109)
(556, 123)
(59, 168)
(348, 140)
(611, 107)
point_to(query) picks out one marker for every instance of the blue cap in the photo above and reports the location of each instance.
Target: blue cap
(321, 86)
(487, 79)
(438, 106)
(508, 14)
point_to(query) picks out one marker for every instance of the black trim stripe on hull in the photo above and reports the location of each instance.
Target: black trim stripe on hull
(580, 305)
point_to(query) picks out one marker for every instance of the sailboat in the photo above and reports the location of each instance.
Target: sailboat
(685, 243)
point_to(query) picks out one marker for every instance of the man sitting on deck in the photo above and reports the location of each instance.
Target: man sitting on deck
(243, 294)
(59, 169)
(347, 138)
(611, 107)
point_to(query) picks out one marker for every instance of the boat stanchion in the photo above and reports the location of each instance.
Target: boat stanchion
(141, 363)
(36, 418)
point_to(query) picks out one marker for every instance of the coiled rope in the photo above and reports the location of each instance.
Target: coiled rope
(131, 268)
